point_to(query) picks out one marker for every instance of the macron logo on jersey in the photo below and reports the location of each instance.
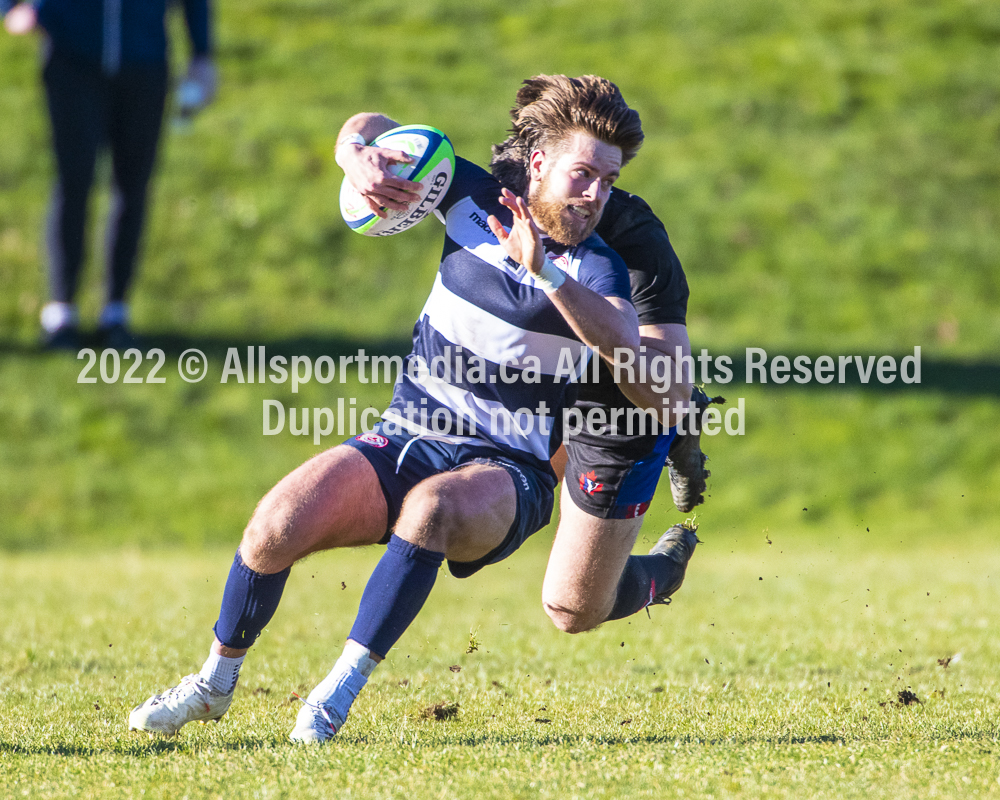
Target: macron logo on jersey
(480, 223)
(518, 270)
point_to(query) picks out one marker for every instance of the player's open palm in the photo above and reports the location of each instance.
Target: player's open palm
(523, 242)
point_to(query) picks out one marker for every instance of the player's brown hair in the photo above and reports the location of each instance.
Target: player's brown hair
(549, 108)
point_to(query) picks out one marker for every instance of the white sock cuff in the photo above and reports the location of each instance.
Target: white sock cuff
(221, 673)
(359, 657)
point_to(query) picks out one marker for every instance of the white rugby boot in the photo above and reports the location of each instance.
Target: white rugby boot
(315, 724)
(192, 700)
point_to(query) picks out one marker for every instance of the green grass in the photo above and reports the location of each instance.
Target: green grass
(184, 464)
(786, 686)
(828, 175)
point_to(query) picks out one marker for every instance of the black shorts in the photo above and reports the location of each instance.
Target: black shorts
(615, 477)
(402, 460)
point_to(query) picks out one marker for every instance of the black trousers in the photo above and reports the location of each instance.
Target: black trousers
(89, 111)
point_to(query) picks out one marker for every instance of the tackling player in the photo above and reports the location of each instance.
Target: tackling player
(611, 474)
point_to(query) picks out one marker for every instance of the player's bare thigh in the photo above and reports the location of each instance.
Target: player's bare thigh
(464, 514)
(585, 565)
(332, 500)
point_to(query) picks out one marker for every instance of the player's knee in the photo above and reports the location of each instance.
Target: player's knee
(570, 620)
(432, 518)
(266, 533)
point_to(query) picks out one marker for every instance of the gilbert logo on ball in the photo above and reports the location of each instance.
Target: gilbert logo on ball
(434, 167)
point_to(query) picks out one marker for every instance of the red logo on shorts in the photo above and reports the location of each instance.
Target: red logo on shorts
(588, 482)
(373, 439)
(637, 510)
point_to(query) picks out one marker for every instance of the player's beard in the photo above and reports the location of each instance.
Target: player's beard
(548, 213)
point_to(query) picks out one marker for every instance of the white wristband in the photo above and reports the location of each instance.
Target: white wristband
(354, 138)
(550, 278)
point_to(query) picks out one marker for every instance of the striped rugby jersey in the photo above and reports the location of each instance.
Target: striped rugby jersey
(492, 356)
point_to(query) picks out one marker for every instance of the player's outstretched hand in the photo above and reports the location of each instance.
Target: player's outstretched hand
(198, 87)
(367, 168)
(21, 19)
(524, 241)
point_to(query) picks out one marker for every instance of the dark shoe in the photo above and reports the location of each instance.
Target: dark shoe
(678, 545)
(65, 338)
(116, 337)
(686, 462)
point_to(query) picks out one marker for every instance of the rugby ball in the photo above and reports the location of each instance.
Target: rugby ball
(434, 167)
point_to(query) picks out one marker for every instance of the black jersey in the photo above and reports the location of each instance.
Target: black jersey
(659, 287)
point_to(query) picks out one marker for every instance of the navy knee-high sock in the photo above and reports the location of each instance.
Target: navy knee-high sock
(248, 603)
(396, 591)
(641, 579)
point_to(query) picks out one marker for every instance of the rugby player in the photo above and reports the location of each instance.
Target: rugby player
(611, 473)
(458, 468)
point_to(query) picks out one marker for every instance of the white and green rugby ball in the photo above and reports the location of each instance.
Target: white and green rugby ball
(434, 167)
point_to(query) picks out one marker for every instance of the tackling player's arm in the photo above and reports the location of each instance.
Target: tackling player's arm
(660, 295)
(658, 340)
(674, 403)
(367, 168)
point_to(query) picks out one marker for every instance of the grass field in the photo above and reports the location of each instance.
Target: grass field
(828, 173)
(777, 671)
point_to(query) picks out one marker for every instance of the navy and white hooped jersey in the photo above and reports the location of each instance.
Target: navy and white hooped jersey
(492, 356)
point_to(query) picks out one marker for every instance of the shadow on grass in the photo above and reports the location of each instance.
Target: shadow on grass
(615, 740)
(950, 376)
(133, 746)
(139, 744)
(174, 344)
(576, 740)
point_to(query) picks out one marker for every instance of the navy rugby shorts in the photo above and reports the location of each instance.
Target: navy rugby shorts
(615, 477)
(402, 460)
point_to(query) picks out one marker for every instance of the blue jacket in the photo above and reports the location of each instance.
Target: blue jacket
(114, 33)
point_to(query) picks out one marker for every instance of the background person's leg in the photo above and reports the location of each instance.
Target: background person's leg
(135, 121)
(76, 98)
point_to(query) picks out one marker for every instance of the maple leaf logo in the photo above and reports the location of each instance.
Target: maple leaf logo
(588, 482)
